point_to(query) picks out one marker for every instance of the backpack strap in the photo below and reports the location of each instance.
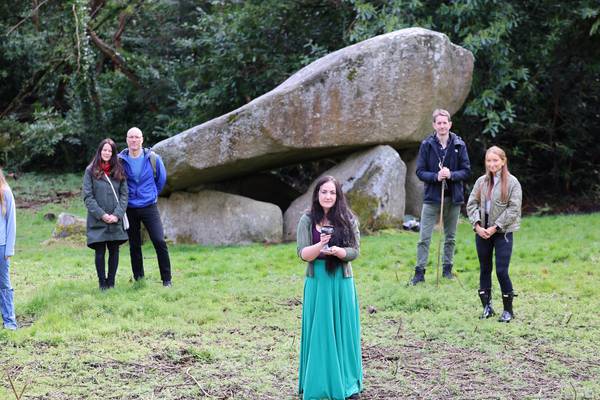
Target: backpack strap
(153, 162)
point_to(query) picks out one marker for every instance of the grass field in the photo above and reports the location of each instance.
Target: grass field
(229, 327)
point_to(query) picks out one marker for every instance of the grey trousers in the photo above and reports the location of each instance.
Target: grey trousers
(430, 215)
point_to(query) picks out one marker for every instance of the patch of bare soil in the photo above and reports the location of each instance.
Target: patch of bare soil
(432, 370)
(58, 197)
(409, 369)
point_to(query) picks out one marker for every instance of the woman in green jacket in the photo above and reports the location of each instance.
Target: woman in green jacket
(330, 354)
(105, 197)
(494, 210)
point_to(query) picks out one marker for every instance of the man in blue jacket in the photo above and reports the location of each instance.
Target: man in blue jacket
(146, 177)
(442, 160)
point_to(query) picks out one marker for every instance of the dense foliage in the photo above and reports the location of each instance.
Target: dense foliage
(75, 71)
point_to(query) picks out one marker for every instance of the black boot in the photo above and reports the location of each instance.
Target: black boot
(418, 278)
(485, 295)
(507, 301)
(447, 271)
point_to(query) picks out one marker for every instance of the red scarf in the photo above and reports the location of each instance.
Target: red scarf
(105, 166)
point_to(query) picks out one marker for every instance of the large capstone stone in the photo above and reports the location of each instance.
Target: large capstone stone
(215, 218)
(373, 181)
(380, 91)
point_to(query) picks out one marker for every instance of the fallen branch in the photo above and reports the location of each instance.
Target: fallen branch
(399, 329)
(574, 391)
(18, 396)
(568, 319)
(204, 392)
(12, 385)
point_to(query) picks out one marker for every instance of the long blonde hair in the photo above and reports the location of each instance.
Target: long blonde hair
(504, 174)
(3, 186)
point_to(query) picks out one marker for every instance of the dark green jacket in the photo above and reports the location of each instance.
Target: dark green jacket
(99, 200)
(304, 239)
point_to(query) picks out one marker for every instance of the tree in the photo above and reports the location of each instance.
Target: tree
(535, 85)
(76, 71)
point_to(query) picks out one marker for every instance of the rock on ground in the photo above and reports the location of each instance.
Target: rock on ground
(216, 218)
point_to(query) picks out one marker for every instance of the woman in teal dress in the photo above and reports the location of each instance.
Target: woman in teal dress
(330, 354)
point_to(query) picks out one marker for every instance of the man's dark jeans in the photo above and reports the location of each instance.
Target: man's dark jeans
(502, 243)
(150, 217)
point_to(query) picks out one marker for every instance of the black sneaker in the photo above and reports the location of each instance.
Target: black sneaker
(167, 284)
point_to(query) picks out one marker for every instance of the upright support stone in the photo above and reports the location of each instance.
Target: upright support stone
(373, 181)
(414, 186)
(215, 218)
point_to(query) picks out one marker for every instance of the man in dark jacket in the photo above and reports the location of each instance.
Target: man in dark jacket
(146, 177)
(442, 162)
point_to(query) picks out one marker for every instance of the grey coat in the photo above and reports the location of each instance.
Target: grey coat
(99, 200)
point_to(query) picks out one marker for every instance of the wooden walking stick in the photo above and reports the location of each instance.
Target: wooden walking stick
(439, 255)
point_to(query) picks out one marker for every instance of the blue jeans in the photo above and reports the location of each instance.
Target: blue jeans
(501, 244)
(7, 305)
(430, 215)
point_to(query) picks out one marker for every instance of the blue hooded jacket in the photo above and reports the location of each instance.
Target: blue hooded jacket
(457, 161)
(144, 190)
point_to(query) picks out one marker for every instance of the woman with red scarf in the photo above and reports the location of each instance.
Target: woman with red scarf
(105, 196)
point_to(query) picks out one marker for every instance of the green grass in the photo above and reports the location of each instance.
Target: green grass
(230, 325)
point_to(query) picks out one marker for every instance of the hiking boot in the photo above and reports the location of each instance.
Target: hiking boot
(447, 271)
(418, 278)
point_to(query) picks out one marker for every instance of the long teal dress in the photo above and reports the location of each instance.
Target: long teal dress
(330, 354)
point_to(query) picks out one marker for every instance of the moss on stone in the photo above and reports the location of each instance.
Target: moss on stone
(63, 231)
(232, 118)
(77, 240)
(352, 74)
(365, 207)
(185, 239)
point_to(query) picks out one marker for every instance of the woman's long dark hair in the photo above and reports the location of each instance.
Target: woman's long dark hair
(116, 169)
(340, 216)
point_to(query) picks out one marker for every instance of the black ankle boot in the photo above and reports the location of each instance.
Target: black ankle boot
(507, 301)
(485, 295)
(447, 271)
(418, 278)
